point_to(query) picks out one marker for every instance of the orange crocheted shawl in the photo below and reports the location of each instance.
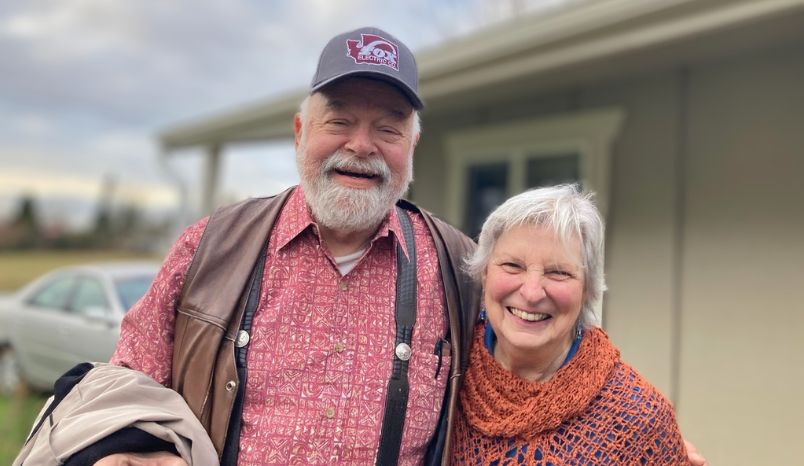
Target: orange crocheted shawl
(594, 410)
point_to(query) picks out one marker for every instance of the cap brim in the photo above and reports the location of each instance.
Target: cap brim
(406, 90)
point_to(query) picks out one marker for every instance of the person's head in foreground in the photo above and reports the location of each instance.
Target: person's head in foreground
(356, 131)
(544, 383)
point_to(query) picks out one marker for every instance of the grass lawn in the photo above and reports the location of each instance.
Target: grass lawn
(17, 414)
(19, 267)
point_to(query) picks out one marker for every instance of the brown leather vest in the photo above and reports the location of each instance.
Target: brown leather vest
(213, 300)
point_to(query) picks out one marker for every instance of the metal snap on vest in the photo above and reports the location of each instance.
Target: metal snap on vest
(230, 385)
(403, 351)
(242, 339)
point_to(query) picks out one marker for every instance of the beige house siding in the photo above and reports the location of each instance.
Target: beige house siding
(742, 341)
(641, 239)
(705, 238)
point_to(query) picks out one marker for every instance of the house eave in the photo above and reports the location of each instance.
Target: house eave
(584, 41)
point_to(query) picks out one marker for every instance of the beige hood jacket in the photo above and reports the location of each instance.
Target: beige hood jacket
(110, 398)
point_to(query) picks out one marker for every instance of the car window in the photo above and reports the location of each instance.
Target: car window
(89, 294)
(55, 294)
(132, 289)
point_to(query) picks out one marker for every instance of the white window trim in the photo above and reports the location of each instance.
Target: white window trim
(589, 134)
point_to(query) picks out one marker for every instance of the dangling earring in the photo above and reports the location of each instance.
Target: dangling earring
(482, 315)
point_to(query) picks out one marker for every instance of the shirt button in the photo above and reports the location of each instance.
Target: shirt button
(343, 285)
(329, 412)
(339, 347)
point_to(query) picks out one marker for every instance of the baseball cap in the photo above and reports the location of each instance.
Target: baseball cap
(372, 53)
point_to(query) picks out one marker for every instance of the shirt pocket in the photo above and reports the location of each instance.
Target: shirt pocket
(427, 377)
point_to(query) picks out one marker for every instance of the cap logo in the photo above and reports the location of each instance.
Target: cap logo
(374, 50)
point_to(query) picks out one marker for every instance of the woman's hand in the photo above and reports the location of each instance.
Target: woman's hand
(695, 457)
(159, 458)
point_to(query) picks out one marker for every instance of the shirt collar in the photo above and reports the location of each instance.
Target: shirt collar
(296, 219)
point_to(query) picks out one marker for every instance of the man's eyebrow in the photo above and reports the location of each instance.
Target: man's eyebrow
(335, 105)
(397, 114)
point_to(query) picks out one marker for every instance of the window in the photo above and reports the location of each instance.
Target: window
(487, 188)
(132, 289)
(547, 170)
(89, 295)
(491, 163)
(54, 295)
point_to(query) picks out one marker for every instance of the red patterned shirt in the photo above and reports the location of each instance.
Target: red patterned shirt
(321, 344)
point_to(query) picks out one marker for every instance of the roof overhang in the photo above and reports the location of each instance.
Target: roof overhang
(583, 42)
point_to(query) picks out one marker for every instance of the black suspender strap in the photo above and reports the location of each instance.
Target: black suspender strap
(396, 399)
(232, 448)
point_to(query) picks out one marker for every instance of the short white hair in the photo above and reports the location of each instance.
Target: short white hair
(569, 213)
(417, 124)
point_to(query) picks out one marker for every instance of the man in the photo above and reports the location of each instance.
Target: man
(315, 333)
(322, 343)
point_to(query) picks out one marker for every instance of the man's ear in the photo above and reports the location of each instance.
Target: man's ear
(297, 130)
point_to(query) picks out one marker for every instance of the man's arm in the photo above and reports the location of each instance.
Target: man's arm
(142, 459)
(126, 439)
(146, 333)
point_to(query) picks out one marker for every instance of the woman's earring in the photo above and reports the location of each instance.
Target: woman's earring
(482, 315)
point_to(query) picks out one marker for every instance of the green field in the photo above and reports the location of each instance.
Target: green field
(19, 267)
(17, 415)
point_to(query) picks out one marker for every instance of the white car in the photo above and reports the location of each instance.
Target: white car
(66, 317)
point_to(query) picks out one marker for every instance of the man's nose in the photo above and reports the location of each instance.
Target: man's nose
(361, 142)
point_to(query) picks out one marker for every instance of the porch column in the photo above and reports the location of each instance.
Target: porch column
(211, 173)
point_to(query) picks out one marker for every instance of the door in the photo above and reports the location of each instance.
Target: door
(37, 327)
(91, 328)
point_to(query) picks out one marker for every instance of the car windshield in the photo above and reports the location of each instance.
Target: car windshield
(131, 289)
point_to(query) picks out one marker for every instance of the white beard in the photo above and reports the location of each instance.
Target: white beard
(348, 209)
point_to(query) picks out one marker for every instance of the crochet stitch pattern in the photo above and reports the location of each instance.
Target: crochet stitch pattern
(596, 410)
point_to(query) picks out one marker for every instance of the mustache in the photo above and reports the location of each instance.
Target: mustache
(374, 166)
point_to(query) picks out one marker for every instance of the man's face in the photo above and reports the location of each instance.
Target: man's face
(355, 152)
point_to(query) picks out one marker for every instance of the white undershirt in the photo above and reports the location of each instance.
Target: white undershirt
(348, 262)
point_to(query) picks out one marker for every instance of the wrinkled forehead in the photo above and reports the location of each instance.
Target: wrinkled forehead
(564, 243)
(364, 93)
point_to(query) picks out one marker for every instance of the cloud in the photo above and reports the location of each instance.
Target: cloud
(88, 83)
(36, 143)
(151, 62)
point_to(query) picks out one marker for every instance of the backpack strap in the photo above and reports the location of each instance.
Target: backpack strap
(396, 399)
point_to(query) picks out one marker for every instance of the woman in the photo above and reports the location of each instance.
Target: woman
(544, 384)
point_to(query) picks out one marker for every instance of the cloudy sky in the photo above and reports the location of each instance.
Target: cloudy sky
(86, 84)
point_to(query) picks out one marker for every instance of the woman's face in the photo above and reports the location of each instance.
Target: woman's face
(533, 291)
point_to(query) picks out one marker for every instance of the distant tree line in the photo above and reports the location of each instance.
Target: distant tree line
(121, 227)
